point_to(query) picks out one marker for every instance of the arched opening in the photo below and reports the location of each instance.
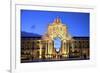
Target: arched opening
(57, 44)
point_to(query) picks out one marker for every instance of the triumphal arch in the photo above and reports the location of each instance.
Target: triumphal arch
(57, 40)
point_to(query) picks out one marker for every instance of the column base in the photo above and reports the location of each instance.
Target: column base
(40, 57)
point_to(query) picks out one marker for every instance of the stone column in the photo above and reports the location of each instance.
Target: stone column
(64, 48)
(72, 44)
(68, 47)
(65, 52)
(40, 46)
(49, 48)
(46, 51)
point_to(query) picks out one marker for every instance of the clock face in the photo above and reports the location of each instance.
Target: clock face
(57, 44)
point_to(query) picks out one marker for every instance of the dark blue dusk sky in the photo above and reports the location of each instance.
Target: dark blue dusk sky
(35, 21)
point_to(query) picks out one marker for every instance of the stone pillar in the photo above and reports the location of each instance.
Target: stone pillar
(50, 48)
(67, 50)
(72, 44)
(40, 46)
(46, 46)
(64, 48)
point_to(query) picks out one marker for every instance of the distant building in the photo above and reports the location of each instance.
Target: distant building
(56, 44)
